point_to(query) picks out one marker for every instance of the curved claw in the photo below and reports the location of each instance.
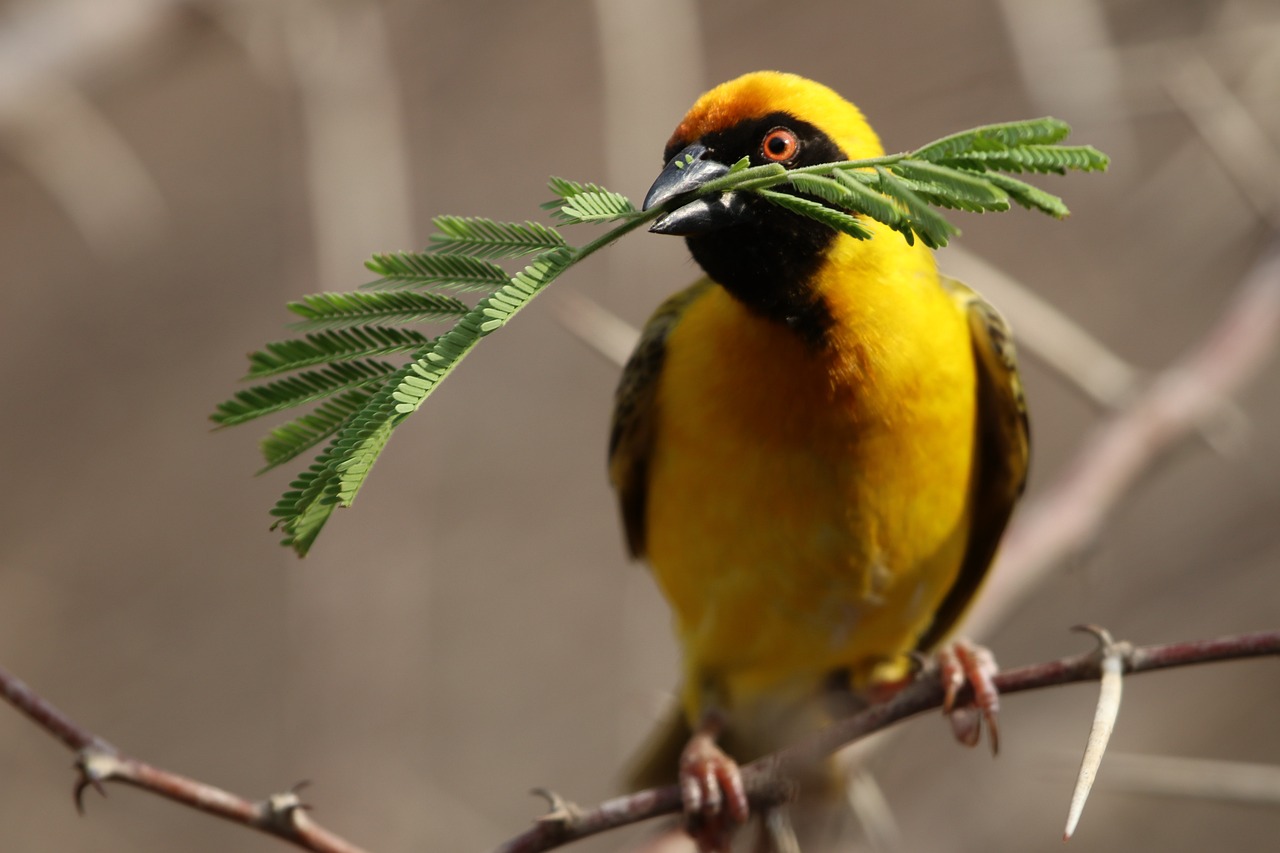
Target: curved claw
(714, 797)
(961, 663)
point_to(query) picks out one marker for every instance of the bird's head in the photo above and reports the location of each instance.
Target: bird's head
(760, 252)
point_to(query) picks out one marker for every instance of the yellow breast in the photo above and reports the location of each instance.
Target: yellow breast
(808, 509)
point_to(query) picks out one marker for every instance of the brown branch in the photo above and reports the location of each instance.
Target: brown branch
(766, 778)
(281, 815)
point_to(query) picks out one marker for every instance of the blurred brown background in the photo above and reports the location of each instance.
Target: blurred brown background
(172, 172)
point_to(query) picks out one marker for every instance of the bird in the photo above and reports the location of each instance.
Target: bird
(815, 447)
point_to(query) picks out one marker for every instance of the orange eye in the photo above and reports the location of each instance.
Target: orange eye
(780, 145)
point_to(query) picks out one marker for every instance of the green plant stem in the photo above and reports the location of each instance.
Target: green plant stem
(757, 177)
(588, 249)
(772, 174)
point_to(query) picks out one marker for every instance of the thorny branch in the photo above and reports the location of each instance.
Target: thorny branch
(766, 778)
(98, 762)
(284, 815)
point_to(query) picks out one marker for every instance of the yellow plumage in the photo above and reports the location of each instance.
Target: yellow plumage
(807, 510)
(812, 502)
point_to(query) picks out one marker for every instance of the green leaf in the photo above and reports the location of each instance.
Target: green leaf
(827, 189)
(359, 308)
(361, 442)
(596, 207)
(485, 238)
(1036, 158)
(995, 137)
(431, 368)
(828, 216)
(290, 440)
(919, 217)
(327, 347)
(445, 272)
(298, 390)
(341, 470)
(587, 202)
(866, 200)
(1028, 196)
(949, 187)
(564, 188)
(303, 510)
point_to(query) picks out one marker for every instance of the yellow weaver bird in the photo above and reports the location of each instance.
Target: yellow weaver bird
(816, 447)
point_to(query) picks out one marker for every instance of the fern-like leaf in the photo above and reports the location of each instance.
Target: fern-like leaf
(919, 217)
(311, 498)
(290, 440)
(592, 203)
(359, 308)
(949, 187)
(867, 200)
(403, 270)
(485, 238)
(995, 137)
(828, 189)
(1032, 198)
(303, 510)
(328, 347)
(342, 468)
(596, 207)
(564, 188)
(1057, 159)
(829, 216)
(298, 390)
(490, 314)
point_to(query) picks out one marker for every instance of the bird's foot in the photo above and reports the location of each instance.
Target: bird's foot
(959, 663)
(715, 800)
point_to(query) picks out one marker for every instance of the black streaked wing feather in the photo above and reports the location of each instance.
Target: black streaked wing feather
(1003, 446)
(631, 436)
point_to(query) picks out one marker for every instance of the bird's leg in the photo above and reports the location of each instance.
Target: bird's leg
(962, 662)
(715, 800)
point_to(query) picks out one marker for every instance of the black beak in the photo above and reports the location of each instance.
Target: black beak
(688, 171)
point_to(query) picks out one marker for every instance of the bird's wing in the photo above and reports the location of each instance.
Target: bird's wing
(631, 437)
(1003, 446)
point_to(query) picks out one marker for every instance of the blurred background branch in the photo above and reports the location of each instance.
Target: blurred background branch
(49, 53)
(98, 762)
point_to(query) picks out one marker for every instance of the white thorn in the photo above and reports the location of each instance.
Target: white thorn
(1104, 722)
